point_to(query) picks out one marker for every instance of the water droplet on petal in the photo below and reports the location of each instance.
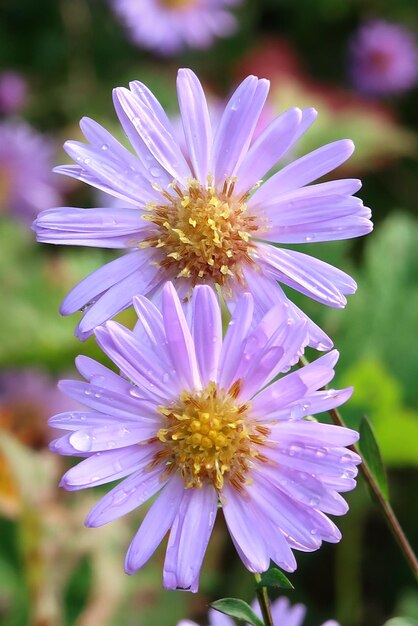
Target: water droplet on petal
(155, 172)
(294, 450)
(99, 381)
(81, 440)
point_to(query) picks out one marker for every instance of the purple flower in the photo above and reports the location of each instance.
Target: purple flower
(26, 181)
(205, 218)
(186, 420)
(13, 92)
(27, 397)
(282, 612)
(383, 58)
(168, 26)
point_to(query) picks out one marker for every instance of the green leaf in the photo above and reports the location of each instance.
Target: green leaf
(401, 621)
(371, 454)
(238, 609)
(274, 578)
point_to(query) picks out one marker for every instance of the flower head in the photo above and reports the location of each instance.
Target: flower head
(186, 420)
(26, 182)
(205, 217)
(282, 612)
(383, 58)
(13, 92)
(168, 26)
(27, 397)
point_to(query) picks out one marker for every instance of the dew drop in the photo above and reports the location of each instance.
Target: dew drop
(294, 450)
(120, 496)
(99, 381)
(321, 452)
(346, 458)
(155, 172)
(81, 440)
(105, 146)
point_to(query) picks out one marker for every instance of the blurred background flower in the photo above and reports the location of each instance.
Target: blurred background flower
(383, 58)
(13, 92)
(167, 26)
(282, 612)
(26, 180)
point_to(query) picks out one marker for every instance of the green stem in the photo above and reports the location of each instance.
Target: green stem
(264, 602)
(386, 508)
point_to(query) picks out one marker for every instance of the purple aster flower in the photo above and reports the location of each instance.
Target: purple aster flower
(13, 92)
(204, 217)
(186, 420)
(383, 58)
(27, 397)
(168, 26)
(282, 612)
(26, 181)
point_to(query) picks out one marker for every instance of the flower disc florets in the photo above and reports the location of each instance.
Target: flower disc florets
(204, 234)
(176, 4)
(209, 434)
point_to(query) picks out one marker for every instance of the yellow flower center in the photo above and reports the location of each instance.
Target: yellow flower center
(208, 436)
(176, 4)
(5, 185)
(205, 235)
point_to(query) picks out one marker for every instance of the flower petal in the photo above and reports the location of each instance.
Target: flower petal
(101, 468)
(207, 332)
(121, 405)
(237, 126)
(189, 538)
(157, 522)
(179, 338)
(234, 340)
(267, 293)
(104, 228)
(140, 363)
(102, 279)
(101, 376)
(128, 495)
(305, 170)
(250, 545)
(268, 148)
(196, 122)
(309, 275)
(136, 116)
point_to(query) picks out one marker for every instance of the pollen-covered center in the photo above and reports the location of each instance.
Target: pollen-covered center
(176, 4)
(209, 437)
(203, 234)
